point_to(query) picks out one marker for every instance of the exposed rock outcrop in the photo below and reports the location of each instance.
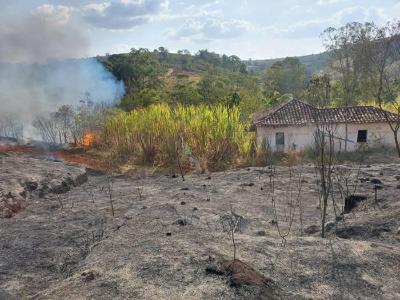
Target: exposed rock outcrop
(22, 178)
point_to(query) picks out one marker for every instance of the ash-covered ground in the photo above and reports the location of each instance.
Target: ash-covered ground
(167, 239)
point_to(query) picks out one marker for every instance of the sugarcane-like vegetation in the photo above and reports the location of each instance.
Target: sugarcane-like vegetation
(160, 134)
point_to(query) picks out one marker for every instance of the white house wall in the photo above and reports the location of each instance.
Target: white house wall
(302, 137)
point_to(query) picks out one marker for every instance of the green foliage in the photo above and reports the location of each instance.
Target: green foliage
(318, 91)
(142, 98)
(185, 94)
(139, 69)
(286, 77)
(214, 88)
(156, 134)
(250, 102)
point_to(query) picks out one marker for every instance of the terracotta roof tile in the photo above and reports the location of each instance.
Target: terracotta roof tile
(298, 113)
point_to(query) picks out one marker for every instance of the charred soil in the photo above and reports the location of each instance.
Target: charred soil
(166, 240)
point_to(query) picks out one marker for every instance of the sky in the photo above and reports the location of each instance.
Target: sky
(254, 29)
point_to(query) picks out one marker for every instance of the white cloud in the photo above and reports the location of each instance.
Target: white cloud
(360, 14)
(122, 14)
(314, 27)
(326, 2)
(53, 13)
(209, 29)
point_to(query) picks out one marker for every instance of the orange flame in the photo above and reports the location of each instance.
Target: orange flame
(88, 139)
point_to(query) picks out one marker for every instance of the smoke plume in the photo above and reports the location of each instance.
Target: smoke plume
(37, 72)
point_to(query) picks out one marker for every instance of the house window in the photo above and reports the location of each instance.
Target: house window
(280, 139)
(362, 136)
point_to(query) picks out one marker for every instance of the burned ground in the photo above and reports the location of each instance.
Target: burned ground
(167, 232)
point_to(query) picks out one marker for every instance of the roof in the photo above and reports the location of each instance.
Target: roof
(298, 113)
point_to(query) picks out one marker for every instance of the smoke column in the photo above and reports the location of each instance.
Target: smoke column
(37, 74)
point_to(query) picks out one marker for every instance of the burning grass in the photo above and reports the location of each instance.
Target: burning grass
(89, 139)
(73, 155)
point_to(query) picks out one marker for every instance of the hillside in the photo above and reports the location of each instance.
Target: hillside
(312, 62)
(204, 59)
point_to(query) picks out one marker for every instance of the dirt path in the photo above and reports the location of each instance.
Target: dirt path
(166, 231)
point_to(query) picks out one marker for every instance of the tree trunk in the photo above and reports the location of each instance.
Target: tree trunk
(396, 141)
(325, 203)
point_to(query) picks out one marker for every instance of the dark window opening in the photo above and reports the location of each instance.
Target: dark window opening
(280, 138)
(362, 136)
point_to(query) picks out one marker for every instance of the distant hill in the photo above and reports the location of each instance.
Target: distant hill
(313, 62)
(199, 63)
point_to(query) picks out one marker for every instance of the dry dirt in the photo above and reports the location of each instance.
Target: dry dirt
(166, 240)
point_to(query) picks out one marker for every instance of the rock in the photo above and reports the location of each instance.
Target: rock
(241, 274)
(168, 234)
(351, 231)
(57, 186)
(80, 179)
(380, 229)
(23, 177)
(398, 231)
(214, 270)
(31, 185)
(311, 229)
(183, 202)
(195, 208)
(339, 218)
(261, 233)
(88, 276)
(375, 181)
(181, 222)
(208, 177)
(397, 177)
(329, 226)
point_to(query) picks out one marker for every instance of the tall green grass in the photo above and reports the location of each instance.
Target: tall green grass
(161, 134)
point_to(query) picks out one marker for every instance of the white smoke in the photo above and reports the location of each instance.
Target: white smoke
(48, 32)
(37, 75)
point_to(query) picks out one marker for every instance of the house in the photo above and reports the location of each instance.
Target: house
(293, 126)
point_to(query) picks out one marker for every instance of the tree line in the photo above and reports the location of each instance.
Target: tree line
(362, 67)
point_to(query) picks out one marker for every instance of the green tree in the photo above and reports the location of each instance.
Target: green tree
(139, 69)
(185, 94)
(318, 91)
(213, 88)
(184, 59)
(286, 77)
(143, 98)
